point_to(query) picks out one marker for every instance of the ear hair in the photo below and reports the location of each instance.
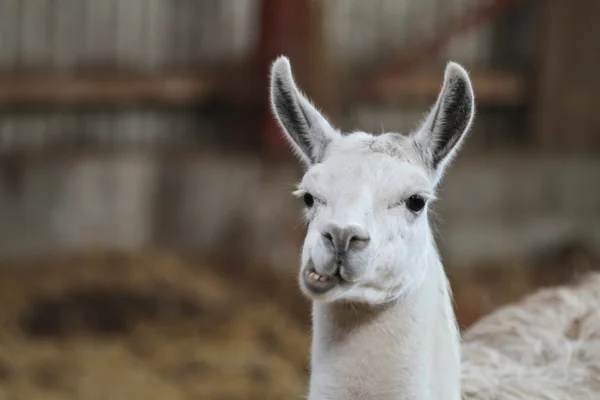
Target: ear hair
(444, 129)
(306, 129)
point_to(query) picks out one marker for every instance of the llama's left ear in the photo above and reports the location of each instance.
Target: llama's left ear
(444, 129)
(305, 127)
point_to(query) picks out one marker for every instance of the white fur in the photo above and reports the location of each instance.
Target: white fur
(388, 330)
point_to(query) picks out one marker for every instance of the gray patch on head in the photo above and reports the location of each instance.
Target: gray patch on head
(397, 146)
(423, 154)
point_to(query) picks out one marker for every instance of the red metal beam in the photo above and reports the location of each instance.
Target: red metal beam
(283, 30)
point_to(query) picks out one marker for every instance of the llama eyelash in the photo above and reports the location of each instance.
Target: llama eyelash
(428, 197)
(299, 193)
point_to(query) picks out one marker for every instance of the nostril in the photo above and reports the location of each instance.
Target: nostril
(357, 238)
(342, 238)
(327, 236)
(359, 241)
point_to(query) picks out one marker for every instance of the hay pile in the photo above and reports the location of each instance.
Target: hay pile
(143, 327)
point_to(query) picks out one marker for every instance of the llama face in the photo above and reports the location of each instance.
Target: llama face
(367, 223)
(366, 197)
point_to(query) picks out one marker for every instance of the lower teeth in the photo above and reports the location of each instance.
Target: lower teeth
(316, 277)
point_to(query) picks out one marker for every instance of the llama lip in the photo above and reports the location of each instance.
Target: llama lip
(318, 283)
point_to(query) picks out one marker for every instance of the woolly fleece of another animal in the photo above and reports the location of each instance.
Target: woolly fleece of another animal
(546, 346)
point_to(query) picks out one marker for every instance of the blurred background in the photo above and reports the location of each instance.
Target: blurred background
(148, 238)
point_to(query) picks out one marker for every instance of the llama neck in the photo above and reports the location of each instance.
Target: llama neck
(408, 349)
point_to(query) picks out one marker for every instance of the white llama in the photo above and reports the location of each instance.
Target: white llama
(383, 322)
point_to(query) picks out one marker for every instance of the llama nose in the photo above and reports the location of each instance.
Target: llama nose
(342, 237)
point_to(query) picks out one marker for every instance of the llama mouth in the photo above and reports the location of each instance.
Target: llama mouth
(317, 283)
(313, 276)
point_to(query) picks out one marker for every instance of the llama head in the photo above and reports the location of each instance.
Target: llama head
(366, 197)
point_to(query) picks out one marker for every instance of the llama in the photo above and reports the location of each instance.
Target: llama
(383, 322)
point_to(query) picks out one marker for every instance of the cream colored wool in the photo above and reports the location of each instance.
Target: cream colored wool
(546, 346)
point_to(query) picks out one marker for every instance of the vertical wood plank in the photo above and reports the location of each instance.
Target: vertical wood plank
(69, 34)
(35, 27)
(9, 33)
(566, 117)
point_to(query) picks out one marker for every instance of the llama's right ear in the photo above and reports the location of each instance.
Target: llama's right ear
(305, 127)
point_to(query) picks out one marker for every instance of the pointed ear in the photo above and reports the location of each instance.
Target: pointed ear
(306, 129)
(444, 129)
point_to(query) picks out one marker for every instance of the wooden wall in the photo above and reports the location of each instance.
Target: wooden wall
(173, 46)
(567, 117)
(167, 46)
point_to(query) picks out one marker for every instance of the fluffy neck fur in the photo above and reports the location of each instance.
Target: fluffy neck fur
(408, 349)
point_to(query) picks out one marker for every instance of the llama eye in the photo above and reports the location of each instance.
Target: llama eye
(415, 203)
(309, 200)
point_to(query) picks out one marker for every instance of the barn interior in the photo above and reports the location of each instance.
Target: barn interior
(149, 241)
